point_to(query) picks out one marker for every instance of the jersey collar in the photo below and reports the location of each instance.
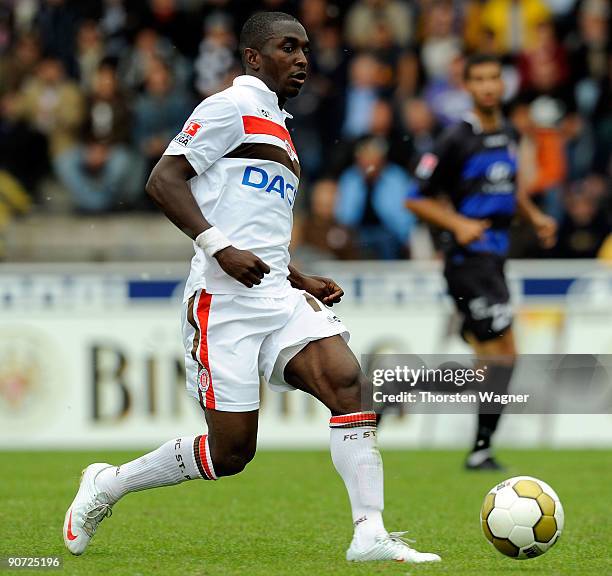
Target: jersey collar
(475, 123)
(253, 82)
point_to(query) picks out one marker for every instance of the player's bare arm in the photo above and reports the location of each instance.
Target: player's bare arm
(545, 226)
(438, 213)
(169, 188)
(325, 289)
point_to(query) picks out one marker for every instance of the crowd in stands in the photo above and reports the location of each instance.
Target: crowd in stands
(91, 92)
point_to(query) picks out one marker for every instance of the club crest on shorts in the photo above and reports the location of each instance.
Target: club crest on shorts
(203, 379)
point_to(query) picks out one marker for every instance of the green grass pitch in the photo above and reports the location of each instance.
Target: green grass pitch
(288, 514)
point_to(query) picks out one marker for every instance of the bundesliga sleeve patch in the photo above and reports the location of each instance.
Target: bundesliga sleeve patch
(426, 166)
(188, 133)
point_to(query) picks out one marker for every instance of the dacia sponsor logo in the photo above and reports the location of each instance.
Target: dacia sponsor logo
(259, 179)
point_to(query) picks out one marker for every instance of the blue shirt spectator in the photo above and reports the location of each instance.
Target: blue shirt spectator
(371, 195)
(159, 113)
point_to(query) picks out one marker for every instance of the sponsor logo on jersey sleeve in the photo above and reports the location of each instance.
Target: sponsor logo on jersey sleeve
(426, 166)
(188, 133)
(291, 151)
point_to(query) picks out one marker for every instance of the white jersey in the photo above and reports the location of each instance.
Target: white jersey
(247, 179)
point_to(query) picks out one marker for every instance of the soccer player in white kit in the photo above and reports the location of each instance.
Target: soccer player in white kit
(229, 180)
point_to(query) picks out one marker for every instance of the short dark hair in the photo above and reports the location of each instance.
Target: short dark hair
(476, 60)
(258, 29)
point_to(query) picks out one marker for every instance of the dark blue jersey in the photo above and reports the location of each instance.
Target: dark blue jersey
(477, 171)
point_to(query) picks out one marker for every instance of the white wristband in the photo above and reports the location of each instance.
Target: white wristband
(212, 240)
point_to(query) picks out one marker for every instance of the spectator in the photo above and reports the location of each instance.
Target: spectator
(513, 23)
(114, 22)
(590, 52)
(172, 23)
(371, 196)
(217, 54)
(441, 44)
(446, 97)
(542, 152)
(590, 44)
(361, 95)
(419, 130)
(602, 128)
(314, 15)
(90, 52)
(585, 226)
(546, 61)
(23, 150)
(383, 47)
(553, 107)
(53, 105)
(363, 16)
(150, 46)
(99, 173)
(407, 76)
(159, 112)
(20, 63)
(322, 237)
(381, 125)
(473, 32)
(57, 23)
(371, 75)
(6, 29)
(329, 64)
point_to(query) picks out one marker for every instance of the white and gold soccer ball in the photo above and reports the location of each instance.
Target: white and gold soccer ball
(522, 517)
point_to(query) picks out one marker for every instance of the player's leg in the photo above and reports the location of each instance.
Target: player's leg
(489, 332)
(227, 391)
(327, 369)
(207, 457)
(478, 286)
(499, 355)
(227, 447)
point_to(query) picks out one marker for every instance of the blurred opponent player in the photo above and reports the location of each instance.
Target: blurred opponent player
(474, 165)
(229, 181)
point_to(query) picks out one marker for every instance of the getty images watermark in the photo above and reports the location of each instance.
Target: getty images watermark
(417, 377)
(534, 383)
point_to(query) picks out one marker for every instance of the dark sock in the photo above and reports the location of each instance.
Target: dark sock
(498, 381)
(487, 424)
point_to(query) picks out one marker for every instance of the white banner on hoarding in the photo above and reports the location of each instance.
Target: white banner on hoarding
(114, 377)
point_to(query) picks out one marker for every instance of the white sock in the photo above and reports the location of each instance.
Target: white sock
(176, 461)
(356, 457)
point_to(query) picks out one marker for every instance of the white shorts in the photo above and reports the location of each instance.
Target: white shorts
(231, 340)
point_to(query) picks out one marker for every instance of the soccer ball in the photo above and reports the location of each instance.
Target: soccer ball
(522, 517)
